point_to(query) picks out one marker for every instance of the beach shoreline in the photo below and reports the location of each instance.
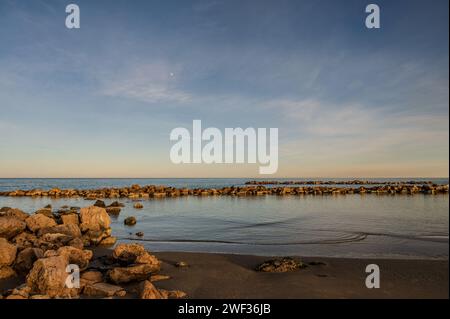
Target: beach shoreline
(233, 276)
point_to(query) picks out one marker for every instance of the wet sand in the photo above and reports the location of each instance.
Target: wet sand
(232, 276)
(228, 276)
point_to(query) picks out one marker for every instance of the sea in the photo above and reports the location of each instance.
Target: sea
(351, 226)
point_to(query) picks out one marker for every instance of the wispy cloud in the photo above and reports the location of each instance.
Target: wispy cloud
(152, 83)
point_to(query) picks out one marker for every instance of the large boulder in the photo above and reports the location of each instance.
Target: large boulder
(26, 258)
(48, 277)
(132, 273)
(128, 252)
(11, 226)
(14, 212)
(71, 230)
(94, 218)
(70, 219)
(38, 221)
(7, 252)
(76, 256)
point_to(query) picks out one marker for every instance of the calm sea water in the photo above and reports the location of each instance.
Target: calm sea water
(341, 226)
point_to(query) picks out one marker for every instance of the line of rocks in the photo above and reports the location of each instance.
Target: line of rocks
(152, 191)
(39, 248)
(344, 182)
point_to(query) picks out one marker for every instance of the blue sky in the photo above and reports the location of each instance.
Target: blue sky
(101, 101)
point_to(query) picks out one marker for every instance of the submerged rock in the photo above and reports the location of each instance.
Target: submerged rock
(138, 206)
(113, 210)
(100, 203)
(130, 221)
(116, 204)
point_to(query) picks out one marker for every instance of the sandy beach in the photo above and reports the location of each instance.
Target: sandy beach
(233, 276)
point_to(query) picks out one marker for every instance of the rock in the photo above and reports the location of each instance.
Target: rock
(280, 265)
(77, 243)
(53, 241)
(100, 203)
(6, 272)
(182, 264)
(47, 212)
(154, 278)
(113, 210)
(149, 291)
(102, 289)
(140, 234)
(138, 205)
(38, 221)
(128, 253)
(26, 258)
(91, 277)
(108, 241)
(22, 290)
(95, 237)
(48, 277)
(71, 230)
(76, 256)
(13, 212)
(116, 204)
(132, 273)
(11, 226)
(24, 240)
(94, 218)
(130, 221)
(7, 252)
(70, 219)
(146, 258)
(173, 294)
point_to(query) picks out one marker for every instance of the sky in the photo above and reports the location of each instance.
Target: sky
(101, 101)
